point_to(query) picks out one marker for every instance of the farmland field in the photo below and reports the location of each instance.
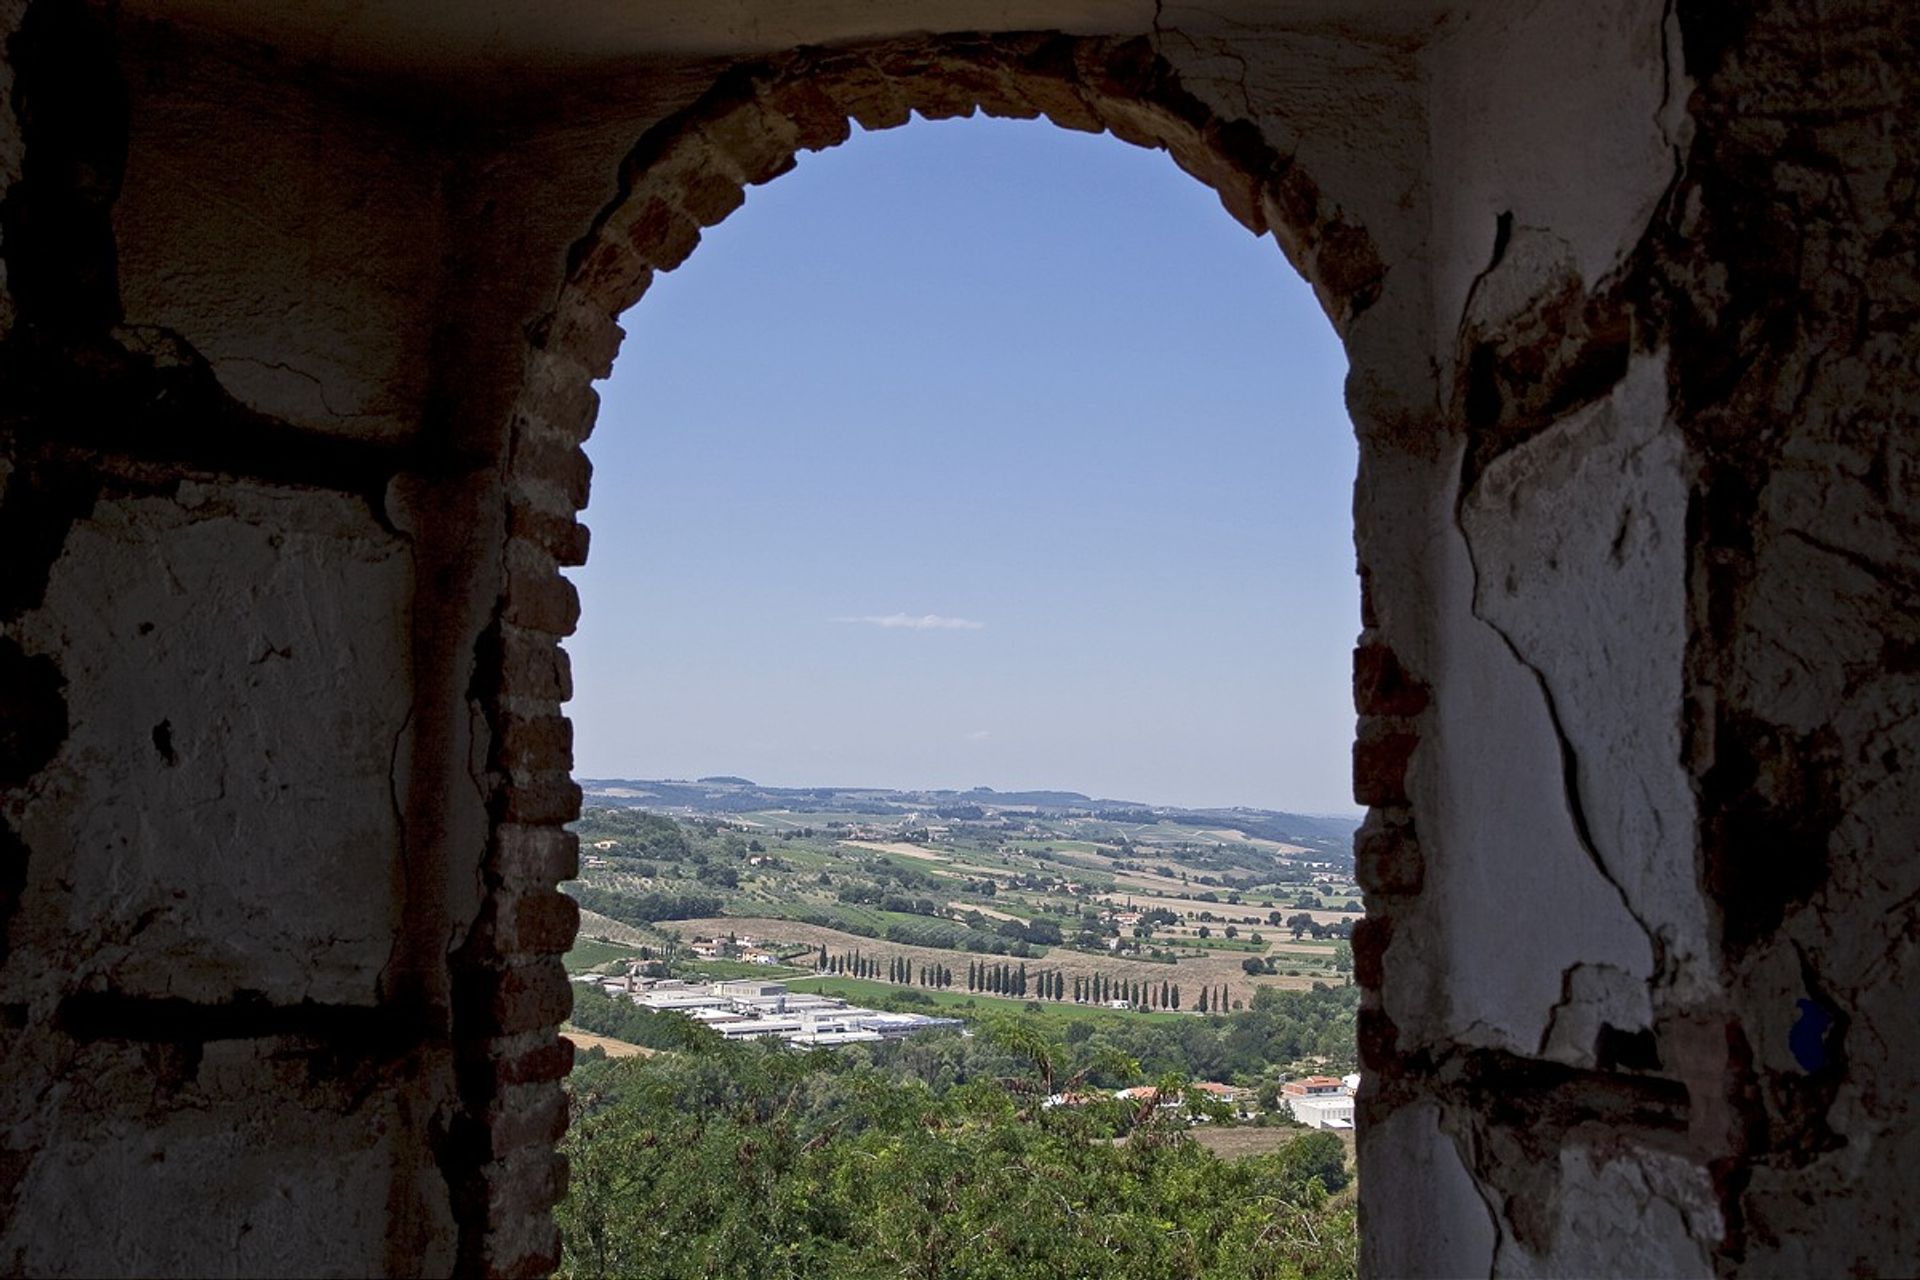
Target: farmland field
(903, 881)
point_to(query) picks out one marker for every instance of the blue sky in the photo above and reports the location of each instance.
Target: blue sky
(976, 453)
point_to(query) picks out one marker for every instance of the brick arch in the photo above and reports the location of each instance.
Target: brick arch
(687, 173)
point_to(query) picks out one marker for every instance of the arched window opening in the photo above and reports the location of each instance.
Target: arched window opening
(1085, 522)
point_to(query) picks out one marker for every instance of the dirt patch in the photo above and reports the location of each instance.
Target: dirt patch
(904, 850)
(593, 926)
(988, 912)
(584, 1040)
(1236, 1143)
(1223, 912)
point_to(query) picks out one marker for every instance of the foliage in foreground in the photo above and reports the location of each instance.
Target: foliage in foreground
(750, 1162)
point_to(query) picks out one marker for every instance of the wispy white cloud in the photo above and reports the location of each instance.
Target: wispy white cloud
(979, 735)
(916, 622)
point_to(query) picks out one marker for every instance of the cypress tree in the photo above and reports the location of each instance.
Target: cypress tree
(1020, 984)
(1202, 1006)
(1176, 995)
(969, 975)
(1164, 992)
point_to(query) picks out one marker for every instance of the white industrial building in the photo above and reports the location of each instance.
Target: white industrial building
(1323, 1110)
(751, 1009)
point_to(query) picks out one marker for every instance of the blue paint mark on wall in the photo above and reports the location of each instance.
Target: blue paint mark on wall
(1808, 1039)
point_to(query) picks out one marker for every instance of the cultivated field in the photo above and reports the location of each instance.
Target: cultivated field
(1190, 974)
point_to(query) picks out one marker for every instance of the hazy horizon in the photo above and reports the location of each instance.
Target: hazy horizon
(1150, 802)
(968, 453)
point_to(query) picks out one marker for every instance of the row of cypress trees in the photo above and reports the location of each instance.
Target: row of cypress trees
(1002, 979)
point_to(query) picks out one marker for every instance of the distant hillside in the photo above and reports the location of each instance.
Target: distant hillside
(730, 795)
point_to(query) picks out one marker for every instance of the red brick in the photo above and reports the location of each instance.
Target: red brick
(1371, 937)
(661, 235)
(586, 332)
(1386, 855)
(1382, 687)
(532, 1115)
(708, 197)
(562, 537)
(541, 456)
(753, 141)
(542, 1261)
(551, 799)
(551, 1061)
(561, 403)
(523, 1183)
(545, 923)
(1345, 261)
(1380, 756)
(543, 744)
(936, 95)
(542, 601)
(533, 665)
(870, 98)
(541, 855)
(526, 997)
(818, 120)
(1379, 1040)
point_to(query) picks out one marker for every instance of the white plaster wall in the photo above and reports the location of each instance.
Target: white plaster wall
(1422, 1214)
(1512, 900)
(1578, 539)
(1637, 1214)
(1563, 113)
(289, 233)
(251, 844)
(250, 1172)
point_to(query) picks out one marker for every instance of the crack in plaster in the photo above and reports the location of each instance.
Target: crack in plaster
(281, 366)
(403, 845)
(1569, 755)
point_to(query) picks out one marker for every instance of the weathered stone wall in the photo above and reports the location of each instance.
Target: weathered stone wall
(298, 332)
(1639, 1001)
